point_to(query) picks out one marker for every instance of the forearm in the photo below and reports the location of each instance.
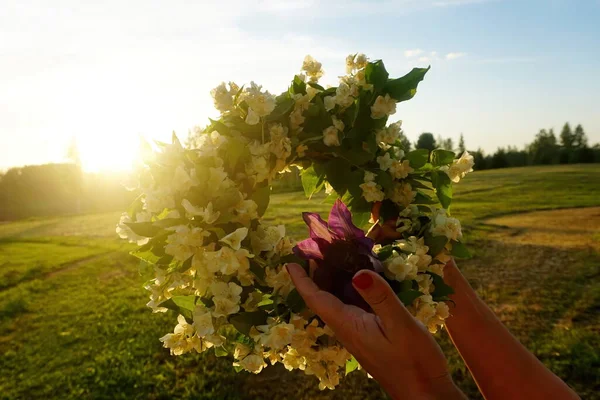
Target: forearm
(502, 367)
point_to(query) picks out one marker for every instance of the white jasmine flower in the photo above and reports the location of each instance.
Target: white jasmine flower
(208, 214)
(329, 102)
(330, 136)
(245, 211)
(125, 231)
(252, 363)
(157, 200)
(402, 194)
(279, 279)
(400, 169)
(185, 241)
(226, 297)
(338, 123)
(442, 225)
(234, 239)
(312, 68)
(384, 105)
(459, 167)
(222, 98)
(344, 94)
(252, 117)
(385, 161)
(401, 267)
(371, 190)
(203, 322)
(180, 341)
(276, 336)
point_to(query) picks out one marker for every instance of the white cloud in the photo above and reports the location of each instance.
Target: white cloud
(412, 53)
(454, 56)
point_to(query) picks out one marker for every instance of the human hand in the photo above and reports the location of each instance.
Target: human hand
(390, 344)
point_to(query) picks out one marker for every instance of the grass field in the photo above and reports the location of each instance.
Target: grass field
(73, 321)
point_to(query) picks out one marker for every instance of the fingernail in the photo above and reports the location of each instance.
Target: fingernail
(362, 281)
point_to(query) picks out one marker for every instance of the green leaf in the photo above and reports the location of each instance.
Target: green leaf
(146, 229)
(360, 208)
(408, 296)
(311, 181)
(415, 184)
(336, 171)
(146, 256)
(244, 321)
(435, 243)
(168, 222)
(459, 250)
(187, 264)
(385, 252)
(283, 108)
(385, 180)
(235, 150)
(257, 270)
(136, 206)
(221, 352)
(183, 305)
(441, 157)
(417, 158)
(442, 290)
(443, 187)
(261, 197)
(376, 74)
(295, 302)
(298, 86)
(422, 198)
(351, 365)
(316, 86)
(405, 88)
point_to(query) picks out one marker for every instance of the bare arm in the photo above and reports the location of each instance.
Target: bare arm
(502, 367)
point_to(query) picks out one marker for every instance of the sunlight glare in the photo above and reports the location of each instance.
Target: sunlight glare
(103, 154)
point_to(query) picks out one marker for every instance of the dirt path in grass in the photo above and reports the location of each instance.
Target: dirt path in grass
(570, 228)
(75, 264)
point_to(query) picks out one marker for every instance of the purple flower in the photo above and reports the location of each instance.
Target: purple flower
(340, 250)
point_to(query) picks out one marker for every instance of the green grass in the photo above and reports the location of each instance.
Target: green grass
(73, 320)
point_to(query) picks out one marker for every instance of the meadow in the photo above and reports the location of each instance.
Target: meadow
(73, 320)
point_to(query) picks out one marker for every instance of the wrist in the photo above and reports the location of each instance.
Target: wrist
(442, 388)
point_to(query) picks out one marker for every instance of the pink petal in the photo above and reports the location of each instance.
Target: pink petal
(340, 222)
(317, 227)
(308, 249)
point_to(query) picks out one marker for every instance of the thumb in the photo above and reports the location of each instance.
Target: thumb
(382, 299)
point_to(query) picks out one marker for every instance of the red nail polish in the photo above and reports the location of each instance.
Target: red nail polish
(362, 281)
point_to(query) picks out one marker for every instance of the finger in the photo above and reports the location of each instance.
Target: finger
(382, 299)
(327, 306)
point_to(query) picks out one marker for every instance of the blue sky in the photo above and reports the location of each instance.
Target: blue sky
(107, 71)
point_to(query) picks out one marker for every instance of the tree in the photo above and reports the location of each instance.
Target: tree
(426, 141)
(448, 144)
(566, 137)
(479, 158)
(406, 145)
(544, 149)
(461, 144)
(499, 159)
(579, 137)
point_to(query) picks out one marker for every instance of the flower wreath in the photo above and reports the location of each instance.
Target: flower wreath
(198, 217)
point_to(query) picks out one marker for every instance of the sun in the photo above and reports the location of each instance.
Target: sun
(107, 154)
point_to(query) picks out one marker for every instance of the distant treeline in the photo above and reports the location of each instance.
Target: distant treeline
(571, 147)
(54, 189)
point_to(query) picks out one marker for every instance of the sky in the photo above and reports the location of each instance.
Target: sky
(106, 72)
